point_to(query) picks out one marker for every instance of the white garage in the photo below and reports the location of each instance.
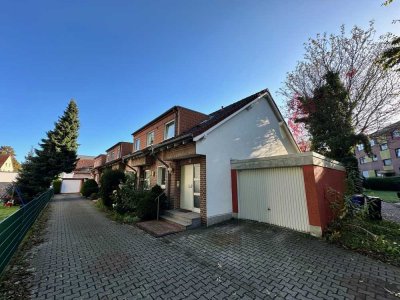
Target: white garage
(293, 191)
(276, 196)
(71, 185)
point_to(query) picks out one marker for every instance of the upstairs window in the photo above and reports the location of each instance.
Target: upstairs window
(383, 146)
(150, 138)
(137, 144)
(169, 130)
(396, 133)
(372, 143)
(397, 152)
(374, 157)
(362, 160)
(360, 147)
(387, 162)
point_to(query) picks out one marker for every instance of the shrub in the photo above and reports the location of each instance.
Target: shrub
(109, 182)
(93, 196)
(125, 197)
(382, 183)
(146, 203)
(89, 187)
(57, 186)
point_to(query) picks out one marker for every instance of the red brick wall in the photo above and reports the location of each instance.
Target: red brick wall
(99, 160)
(158, 128)
(318, 181)
(188, 119)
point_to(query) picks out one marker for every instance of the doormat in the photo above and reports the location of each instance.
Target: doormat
(159, 228)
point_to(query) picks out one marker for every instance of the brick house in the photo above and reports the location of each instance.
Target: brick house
(112, 159)
(385, 158)
(188, 153)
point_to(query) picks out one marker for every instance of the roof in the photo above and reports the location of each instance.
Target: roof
(84, 163)
(386, 130)
(117, 145)
(217, 116)
(100, 155)
(214, 118)
(3, 158)
(164, 114)
(86, 157)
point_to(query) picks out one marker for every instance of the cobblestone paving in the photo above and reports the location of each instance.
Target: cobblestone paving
(87, 256)
(391, 211)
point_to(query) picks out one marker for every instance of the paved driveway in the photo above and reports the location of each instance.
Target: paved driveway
(88, 256)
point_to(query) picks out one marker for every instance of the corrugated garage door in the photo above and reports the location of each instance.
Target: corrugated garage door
(71, 186)
(276, 196)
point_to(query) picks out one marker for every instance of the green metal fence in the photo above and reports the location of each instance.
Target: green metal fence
(15, 226)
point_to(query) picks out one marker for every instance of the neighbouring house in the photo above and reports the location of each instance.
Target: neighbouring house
(7, 174)
(112, 159)
(72, 182)
(385, 158)
(189, 153)
(6, 164)
(99, 162)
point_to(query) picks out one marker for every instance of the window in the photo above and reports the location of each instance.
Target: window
(372, 143)
(365, 174)
(169, 130)
(387, 162)
(396, 133)
(362, 160)
(360, 147)
(137, 144)
(162, 177)
(196, 186)
(384, 146)
(146, 181)
(150, 138)
(374, 157)
(397, 152)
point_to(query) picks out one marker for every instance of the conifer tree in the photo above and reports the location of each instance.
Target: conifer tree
(57, 154)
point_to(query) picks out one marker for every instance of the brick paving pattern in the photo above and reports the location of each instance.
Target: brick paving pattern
(391, 211)
(87, 256)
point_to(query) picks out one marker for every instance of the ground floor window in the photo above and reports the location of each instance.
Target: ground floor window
(196, 186)
(365, 174)
(146, 181)
(387, 162)
(162, 176)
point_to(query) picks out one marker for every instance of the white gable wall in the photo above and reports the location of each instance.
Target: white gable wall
(252, 133)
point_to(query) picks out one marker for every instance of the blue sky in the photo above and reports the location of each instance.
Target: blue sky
(125, 62)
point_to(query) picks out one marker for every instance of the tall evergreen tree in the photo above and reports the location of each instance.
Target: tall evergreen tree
(57, 154)
(328, 118)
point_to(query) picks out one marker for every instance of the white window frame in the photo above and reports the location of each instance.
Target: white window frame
(362, 160)
(374, 157)
(159, 176)
(397, 152)
(137, 144)
(365, 174)
(166, 132)
(148, 135)
(147, 180)
(396, 133)
(372, 142)
(380, 146)
(388, 159)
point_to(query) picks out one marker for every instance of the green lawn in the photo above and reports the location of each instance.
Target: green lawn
(6, 211)
(387, 196)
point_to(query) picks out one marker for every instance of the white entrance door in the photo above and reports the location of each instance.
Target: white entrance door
(190, 187)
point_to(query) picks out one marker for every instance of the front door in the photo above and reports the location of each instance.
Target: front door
(190, 187)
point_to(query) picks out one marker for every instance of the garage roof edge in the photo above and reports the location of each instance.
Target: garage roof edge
(288, 160)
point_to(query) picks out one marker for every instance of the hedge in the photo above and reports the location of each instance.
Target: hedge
(57, 186)
(89, 187)
(382, 183)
